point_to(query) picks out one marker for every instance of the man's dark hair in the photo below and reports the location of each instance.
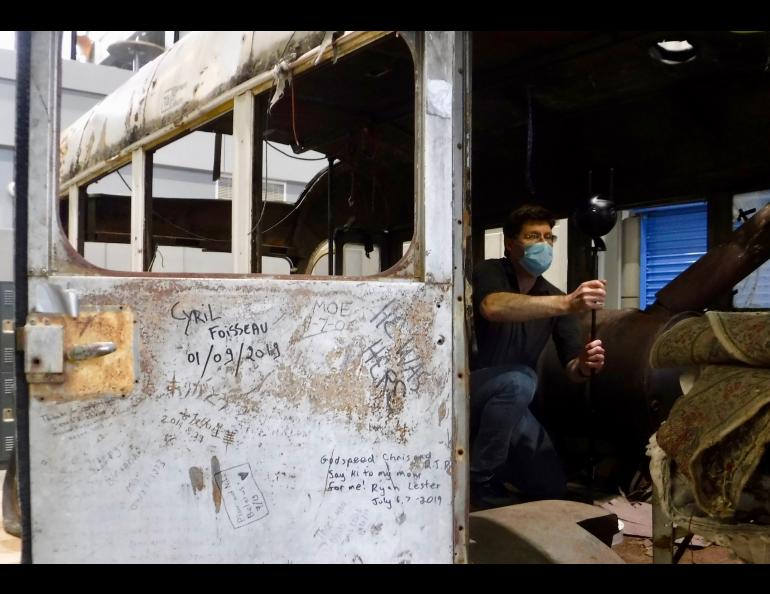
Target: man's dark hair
(524, 214)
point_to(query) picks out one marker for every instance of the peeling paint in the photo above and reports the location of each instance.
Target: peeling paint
(216, 494)
(272, 406)
(196, 479)
(145, 92)
(111, 375)
(442, 412)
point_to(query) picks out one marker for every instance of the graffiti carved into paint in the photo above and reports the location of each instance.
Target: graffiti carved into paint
(241, 496)
(389, 479)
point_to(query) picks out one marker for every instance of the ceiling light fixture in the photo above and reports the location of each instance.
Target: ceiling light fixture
(673, 52)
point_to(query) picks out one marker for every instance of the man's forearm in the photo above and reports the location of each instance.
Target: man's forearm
(515, 307)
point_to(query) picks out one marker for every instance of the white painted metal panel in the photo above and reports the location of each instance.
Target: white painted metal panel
(44, 130)
(138, 215)
(438, 149)
(243, 140)
(72, 215)
(273, 421)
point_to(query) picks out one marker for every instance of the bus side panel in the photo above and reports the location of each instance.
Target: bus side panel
(271, 421)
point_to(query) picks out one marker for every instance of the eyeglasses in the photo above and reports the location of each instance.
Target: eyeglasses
(537, 237)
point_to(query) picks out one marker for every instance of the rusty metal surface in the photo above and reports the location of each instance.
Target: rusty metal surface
(272, 421)
(163, 90)
(164, 95)
(310, 420)
(461, 133)
(109, 375)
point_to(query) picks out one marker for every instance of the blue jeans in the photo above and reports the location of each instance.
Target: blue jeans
(510, 443)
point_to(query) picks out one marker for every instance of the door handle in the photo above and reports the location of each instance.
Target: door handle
(82, 352)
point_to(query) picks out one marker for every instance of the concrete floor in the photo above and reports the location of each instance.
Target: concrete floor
(638, 551)
(10, 546)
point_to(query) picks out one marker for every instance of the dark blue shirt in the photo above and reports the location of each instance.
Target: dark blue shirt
(509, 343)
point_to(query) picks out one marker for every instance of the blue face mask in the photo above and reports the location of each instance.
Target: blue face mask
(537, 258)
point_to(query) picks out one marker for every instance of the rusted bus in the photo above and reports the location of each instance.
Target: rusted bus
(322, 413)
(160, 101)
(369, 192)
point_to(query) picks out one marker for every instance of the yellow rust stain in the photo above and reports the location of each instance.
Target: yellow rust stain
(110, 375)
(90, 143)
(216, 493)
(196, 479)
(344, 386)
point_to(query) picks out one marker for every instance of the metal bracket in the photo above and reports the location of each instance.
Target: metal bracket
(43, 350)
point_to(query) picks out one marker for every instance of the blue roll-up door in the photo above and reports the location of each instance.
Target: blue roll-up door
(672, 238)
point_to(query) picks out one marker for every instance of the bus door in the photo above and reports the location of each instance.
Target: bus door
(238, 418)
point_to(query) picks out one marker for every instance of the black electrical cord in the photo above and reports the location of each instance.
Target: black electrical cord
(530, 142)
(165, 220)
(124, 181)
(272, 146)
(299, 202)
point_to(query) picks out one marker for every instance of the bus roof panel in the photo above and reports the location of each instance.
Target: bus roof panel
(194, 73)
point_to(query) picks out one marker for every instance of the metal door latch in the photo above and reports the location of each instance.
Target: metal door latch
(82, 352)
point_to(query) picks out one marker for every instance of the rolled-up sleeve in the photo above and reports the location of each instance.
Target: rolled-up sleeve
(488, 278)
(568, 338)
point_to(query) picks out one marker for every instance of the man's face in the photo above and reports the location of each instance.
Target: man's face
(531, 232)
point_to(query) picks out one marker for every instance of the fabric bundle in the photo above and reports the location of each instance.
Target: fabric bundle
(706, 454)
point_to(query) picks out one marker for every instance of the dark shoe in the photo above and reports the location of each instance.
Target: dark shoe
(490, 494)
(11, 511)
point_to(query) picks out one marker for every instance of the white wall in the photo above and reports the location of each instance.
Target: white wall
(6, 215)
(752, 291)
(630, 229)
(611, 265)
(557, 273)
(83, 86)
(117, 256)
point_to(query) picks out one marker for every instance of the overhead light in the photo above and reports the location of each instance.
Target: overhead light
(673, 52)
